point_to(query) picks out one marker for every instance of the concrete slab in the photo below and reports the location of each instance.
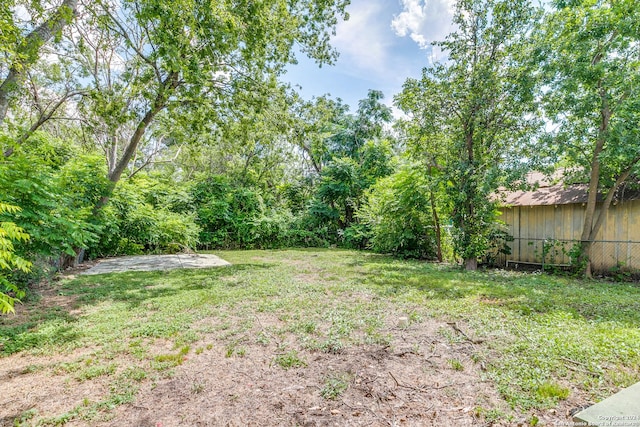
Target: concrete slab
(620, 410)
(155, 262)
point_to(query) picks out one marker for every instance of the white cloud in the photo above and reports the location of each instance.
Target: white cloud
(364, 40)
(424, 20)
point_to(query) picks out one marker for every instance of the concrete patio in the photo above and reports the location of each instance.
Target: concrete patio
(155, 262)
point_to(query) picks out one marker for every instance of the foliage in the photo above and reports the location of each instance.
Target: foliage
(343, 182)
(192, 64)
(224, 213)
(588, 54)
(56, 196)
(239, 217)
(398, 211)
(498, 239)
(335, 385)
(21, 45)
(9, 233)
(145, 216)
(473, 112)
(290, 359)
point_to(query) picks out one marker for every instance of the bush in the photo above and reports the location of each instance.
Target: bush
(56, 190)
(174, 232)
(50, 211)
(10, 233)
(398, 211)
(357, 236)
(132, 225)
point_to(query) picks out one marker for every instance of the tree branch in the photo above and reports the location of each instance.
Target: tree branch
(29, 48)
(159, 103)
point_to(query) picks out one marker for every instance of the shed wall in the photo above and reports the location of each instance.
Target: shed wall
(617, 243)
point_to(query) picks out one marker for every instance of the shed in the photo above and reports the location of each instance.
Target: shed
(547, 222)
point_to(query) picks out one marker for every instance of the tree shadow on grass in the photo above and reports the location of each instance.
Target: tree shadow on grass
(523, 293)
(135, 288)
(57, 326)
(53, 326)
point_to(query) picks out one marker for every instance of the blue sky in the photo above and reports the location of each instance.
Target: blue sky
(382, 44)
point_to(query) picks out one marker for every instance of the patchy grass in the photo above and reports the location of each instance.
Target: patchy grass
(335, 385)
(290, 359)
(539, 338)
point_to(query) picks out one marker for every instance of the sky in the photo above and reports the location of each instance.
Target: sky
(383, 43)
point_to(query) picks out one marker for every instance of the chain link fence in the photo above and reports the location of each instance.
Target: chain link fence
(608, 257)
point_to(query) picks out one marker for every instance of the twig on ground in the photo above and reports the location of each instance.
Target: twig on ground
(521, 332)
(586, 370)
(461, 332)
(246, 375)
(263, 329)
(575, 362)
(424, 388)
(402, 353)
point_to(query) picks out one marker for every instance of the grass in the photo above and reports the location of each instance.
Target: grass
(335, 385)
(290, 359)
(539, 332)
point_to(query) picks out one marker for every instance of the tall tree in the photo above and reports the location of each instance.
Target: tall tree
(479, 104)
(591, 55)
(349, 152)
(316, 122)
(188, 60)
(325, 130)
(22, 51)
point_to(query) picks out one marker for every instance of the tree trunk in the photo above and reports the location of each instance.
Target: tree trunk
(471, 264)
(436, 224)
(27, 52)
(588, 235)
(586, 244)
(159, 103)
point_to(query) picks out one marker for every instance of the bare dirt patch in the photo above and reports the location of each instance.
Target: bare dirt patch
(36, 383)
(409, 381)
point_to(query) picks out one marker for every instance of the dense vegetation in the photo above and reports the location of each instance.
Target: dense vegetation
(133, 126)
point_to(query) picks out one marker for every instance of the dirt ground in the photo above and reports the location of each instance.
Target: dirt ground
(411, 381)
(403, 386)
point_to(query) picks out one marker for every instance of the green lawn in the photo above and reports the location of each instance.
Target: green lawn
(543, 337)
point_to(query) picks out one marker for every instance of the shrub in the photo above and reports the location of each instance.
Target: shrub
(174, 232)
(132, 225)
(398, 211)
(9, 232)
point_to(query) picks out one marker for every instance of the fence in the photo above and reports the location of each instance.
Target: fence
(607, 256)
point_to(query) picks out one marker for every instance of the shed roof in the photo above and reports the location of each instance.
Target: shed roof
(550, 193)
(544, 196)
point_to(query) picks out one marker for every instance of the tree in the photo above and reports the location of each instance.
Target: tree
(399, 212)
(325, 130)
(152, 59)
(479, 104)
(315, 123)
(21, 52)
(55, 192)
(252, 148)
(350, 154)
(590, 52)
